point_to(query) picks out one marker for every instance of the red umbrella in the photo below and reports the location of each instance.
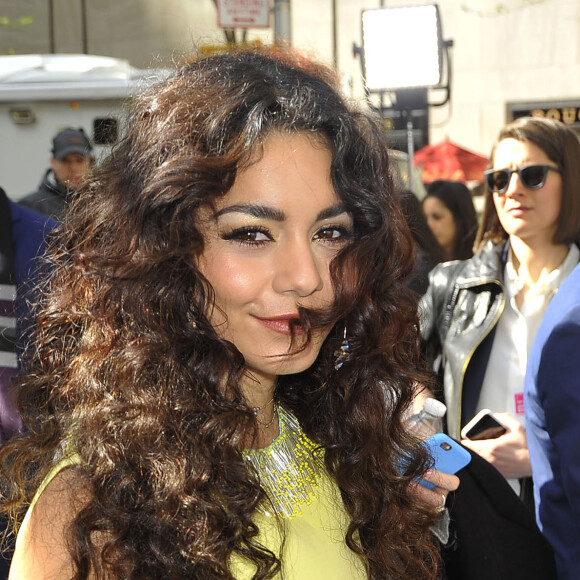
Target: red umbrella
(446, 160)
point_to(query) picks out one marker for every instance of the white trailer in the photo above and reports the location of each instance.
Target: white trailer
(42, 94)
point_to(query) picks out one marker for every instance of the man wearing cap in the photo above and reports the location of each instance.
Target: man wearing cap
(69, 165)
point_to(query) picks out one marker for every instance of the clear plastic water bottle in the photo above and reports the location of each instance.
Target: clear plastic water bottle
(429, 420)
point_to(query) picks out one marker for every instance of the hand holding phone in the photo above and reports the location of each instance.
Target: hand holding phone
(448, 455)
(484, 425)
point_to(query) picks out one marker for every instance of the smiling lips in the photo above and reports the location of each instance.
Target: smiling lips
(281, 324)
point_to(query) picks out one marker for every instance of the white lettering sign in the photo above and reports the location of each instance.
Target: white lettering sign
(243, 13)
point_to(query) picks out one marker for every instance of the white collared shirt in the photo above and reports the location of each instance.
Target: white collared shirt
(503, 386)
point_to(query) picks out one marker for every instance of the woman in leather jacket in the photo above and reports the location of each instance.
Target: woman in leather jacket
(480, 316)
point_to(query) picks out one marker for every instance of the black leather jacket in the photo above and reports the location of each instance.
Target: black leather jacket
(459, 313)
(51, 197)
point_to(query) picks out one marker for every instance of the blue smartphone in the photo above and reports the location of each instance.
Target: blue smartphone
(448, 455)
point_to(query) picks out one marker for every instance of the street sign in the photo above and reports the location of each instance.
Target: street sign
(243, 13)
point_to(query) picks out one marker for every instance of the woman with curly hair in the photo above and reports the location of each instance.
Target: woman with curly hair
(226, 353)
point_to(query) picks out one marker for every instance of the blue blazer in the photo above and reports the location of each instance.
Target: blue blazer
(29, 229)
(552, 406)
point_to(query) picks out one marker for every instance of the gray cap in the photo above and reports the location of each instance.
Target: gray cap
(70, 141)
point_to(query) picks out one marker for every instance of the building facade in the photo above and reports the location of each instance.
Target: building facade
(507, 57)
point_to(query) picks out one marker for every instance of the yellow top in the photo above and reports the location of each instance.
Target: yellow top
(304, 508)
(67, 461)
(314, 545)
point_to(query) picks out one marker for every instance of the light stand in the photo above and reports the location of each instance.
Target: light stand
(407, 101)
(402, 56)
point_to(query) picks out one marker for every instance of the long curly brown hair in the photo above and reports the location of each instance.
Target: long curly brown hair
(126, 367)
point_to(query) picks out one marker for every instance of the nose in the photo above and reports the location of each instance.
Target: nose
(298, 269)
(514, 185)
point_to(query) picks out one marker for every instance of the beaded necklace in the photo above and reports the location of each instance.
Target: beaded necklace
(289, 469)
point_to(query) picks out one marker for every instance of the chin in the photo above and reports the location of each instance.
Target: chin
(285, 364)
(293, 369)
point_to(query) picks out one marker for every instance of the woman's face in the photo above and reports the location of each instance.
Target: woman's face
(441, 223)
(529, 214)
(268, 247)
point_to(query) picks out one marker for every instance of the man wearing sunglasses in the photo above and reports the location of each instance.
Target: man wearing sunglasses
(481, 315)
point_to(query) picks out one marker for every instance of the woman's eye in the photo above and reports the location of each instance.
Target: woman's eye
(248, 235)
(332, 234)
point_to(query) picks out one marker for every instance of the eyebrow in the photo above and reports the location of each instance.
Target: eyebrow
(271, 213)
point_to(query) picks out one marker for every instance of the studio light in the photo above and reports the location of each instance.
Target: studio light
(402, 47)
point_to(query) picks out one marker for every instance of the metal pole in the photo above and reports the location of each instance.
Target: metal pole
(84, 27)
(282, 27)
(410, 150)
(334, 35)
(52, 48)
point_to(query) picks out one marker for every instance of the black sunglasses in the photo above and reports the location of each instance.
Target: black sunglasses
(532, 176)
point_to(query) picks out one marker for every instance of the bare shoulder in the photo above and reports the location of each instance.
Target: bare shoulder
(41, 547)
